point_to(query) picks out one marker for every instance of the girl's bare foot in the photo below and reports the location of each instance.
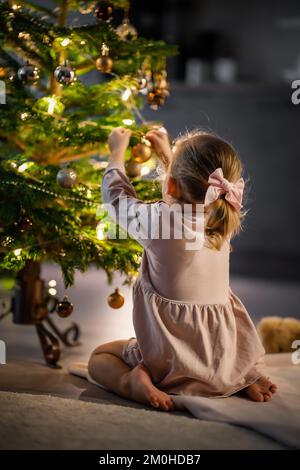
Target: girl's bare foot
(262, 390)
(143, 390)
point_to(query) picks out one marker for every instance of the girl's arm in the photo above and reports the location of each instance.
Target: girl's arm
(136, 217)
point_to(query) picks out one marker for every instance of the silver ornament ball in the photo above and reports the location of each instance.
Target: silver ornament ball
(66, 178)
(64, 74)
(126, 30)
(28, 73)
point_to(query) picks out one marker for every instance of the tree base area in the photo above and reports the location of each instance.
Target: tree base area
(32, 305)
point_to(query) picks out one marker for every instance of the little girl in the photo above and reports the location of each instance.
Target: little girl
(193, 335)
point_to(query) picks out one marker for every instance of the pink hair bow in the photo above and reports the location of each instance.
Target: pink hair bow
(219, 185)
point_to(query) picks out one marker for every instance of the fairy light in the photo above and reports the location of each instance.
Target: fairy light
(145, 170)
(24, 116)
(15, 7)
(52, 283)
(89, 194)
(52, 291)
(100, 231)
(126, 94)
(65, 42)
(51, 104)
(128, 122)
(52, 193)
(23, 35)
(17, 252)
(23, 167)
(138, 258)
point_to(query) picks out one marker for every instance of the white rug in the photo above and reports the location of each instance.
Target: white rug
(47, 422)
(278, 419)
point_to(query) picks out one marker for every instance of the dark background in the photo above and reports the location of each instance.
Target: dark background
(254, 112)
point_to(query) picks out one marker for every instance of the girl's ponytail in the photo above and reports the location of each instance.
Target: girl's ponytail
(208, 170)
(223, 222)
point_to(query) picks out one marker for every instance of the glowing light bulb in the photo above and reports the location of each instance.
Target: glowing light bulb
(23, 167)
(52, 291)
(51, 105)
(128, 122)
(24, 116)
(65, 42)
(100, 231)
(145, 170)
(18, 251)
(126, 94)
(52, 283)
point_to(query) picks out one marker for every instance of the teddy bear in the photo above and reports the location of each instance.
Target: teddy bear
(278, 334)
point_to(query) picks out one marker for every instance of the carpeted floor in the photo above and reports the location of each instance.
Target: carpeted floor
(47, 422)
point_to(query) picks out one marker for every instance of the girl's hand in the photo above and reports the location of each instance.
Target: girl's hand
(160, 141)
(118, 142)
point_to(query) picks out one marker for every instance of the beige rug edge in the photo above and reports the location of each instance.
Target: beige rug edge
(49, 422)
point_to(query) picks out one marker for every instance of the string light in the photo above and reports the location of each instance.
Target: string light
(17, 252)
(24, 116)
(145, 170)
(15, 7)
(52, 291)
(65, 42)
(52, 193)
(52, 283)
(100, 231)
(89, 194)
(23, 35)
(51, 104)
(126, 94)
(128, 122)
(23, 167)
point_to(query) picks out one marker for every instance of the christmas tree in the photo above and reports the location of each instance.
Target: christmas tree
(54, 129)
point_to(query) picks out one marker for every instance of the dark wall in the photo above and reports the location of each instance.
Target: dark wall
(263, 36)
(262, 123)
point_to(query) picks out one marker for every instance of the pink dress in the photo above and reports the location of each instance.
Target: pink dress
(192, 333)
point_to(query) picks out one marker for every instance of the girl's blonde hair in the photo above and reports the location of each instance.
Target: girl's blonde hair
(196, 155)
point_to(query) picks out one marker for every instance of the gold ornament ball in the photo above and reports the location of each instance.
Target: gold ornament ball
(64, 308)
(156, 99)
(133, 169)
(126, 31)
(141, 152)
(85, 7)
(104, 64)
(116, 299)
(3, 72)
